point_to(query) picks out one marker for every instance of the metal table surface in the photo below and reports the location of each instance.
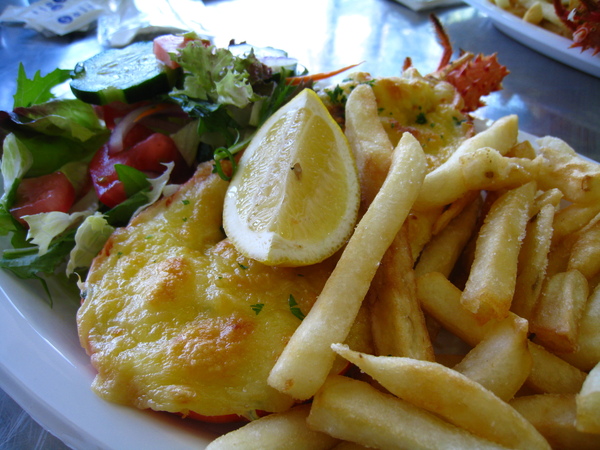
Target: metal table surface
(549, 97)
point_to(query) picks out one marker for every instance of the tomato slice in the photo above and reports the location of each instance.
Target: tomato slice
(164, 45)
(148, 155)
(112, 112)
(46, 193)
(170, 43)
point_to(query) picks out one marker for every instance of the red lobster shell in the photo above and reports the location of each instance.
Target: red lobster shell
(584, 22)
(473, 76)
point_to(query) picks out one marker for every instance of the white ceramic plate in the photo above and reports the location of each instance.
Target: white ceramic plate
(45, 370)
(540, 39)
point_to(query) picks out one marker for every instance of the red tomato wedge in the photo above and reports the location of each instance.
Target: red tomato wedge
(170, 43)
(147, 155)
(46, 193)
(164, 45)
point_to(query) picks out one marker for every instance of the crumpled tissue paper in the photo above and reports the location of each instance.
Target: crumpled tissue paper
(118, 22)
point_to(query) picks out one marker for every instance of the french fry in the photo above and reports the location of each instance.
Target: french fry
(522, 149)
(572, 218)
(276, 431)
(420, 228)
(554, 416)
(307, 359)
(486, 168)
(441, 299)
(533, 261)
(535, 14)
(588, 403)
(585, 252)
(443, 250)
(555, 319)
(550, 18)
(587, 354)
(558, 257)
(369, 141)
(550, 197)
(398, 323)
(501, 362)
(576, 177)
(439, 390)
(453, 210)
(491, 283)
(446, 183)
(551, 374)
(355, 411)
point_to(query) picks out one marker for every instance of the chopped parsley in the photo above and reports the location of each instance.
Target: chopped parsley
(294, 308)
(421, 119)
(257, 308)
(337, 95)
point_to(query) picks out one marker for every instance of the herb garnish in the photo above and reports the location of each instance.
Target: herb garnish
(294, 308)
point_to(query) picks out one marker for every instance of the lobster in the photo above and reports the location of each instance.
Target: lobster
(584, 22)
(473, 76)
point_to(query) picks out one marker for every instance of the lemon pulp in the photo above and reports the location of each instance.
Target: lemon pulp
(294, 199)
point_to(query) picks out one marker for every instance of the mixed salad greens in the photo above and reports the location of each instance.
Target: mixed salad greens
(76, 168)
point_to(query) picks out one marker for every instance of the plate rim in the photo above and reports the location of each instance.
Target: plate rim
(52, 383)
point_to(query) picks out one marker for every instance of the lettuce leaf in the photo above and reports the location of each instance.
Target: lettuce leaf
(90, 237)
(215, 75)
(16, 161)
(37, 89)
(56, 133)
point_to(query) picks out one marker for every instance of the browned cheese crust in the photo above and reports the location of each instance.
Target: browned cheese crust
(175, 319)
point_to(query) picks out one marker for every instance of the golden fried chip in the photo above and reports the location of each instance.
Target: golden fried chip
(280, 430)
(491, 284)
(578, 178)
(556, 316)
(398, 323)
(501, 362)
(369, 141)
(441, 299)
(533, 261)
(355, 411)
(588, 403)
(307, 358)
(439, 390)
(554, 416)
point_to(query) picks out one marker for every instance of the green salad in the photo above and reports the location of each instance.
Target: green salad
(140, 119)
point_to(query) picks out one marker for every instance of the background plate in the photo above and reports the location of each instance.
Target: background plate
(540, 39)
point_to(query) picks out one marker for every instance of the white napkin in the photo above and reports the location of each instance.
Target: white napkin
(127, 19)
(53, 18)
(118, 22)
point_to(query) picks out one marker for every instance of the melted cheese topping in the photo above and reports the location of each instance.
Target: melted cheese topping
(175, 319)
(428, 110)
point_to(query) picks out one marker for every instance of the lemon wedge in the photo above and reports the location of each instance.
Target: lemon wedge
(295, 196)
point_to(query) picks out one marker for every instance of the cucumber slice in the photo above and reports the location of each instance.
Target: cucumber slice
(128, 74)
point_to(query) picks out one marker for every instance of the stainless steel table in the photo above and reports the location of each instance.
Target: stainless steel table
(549, 97)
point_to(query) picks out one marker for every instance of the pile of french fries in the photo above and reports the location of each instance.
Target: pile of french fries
(485, 335)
